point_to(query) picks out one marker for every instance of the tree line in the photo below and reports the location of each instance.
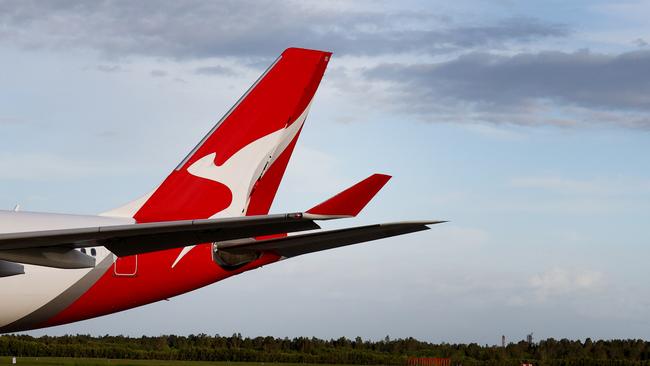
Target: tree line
(202, 347)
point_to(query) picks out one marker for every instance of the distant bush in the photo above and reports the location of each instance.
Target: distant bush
(235, 348)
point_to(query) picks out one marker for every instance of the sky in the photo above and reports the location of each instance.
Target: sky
(526, 124)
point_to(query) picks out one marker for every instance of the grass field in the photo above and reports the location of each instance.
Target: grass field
(69, 361)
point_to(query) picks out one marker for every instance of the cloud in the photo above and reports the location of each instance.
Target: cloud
(544, 88)
(158, 73)
(214, 70)
(559, 282)
(109, 68)
(203, 29)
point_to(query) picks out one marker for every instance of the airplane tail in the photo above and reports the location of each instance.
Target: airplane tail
(237, 167)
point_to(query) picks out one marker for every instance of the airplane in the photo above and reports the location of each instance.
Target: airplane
(207, 221)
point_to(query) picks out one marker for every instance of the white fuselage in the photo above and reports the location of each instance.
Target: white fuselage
(24, 294)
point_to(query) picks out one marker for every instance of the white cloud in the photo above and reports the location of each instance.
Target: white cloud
(560, 282)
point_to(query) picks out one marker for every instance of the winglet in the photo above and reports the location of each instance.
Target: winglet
(351, 201)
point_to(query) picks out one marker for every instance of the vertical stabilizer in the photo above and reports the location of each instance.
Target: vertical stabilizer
(237, 167)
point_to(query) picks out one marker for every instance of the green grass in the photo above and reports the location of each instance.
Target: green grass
(71, 361)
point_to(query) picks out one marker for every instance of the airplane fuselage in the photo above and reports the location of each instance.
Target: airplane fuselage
(45, 296)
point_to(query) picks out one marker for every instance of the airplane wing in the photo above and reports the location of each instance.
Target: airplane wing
(155, 236)
(55, 248)
(313, 242)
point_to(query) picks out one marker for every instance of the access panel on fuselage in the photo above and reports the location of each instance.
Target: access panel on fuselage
(126, 266)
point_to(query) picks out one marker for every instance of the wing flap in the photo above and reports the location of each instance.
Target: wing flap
(313, 242)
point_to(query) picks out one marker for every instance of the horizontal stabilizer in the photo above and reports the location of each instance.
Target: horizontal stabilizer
(308, 243)
(351, 201)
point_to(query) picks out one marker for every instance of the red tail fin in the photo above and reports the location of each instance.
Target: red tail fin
(236, 169)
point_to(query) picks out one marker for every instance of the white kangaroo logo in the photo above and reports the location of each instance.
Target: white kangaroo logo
(240, 172)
